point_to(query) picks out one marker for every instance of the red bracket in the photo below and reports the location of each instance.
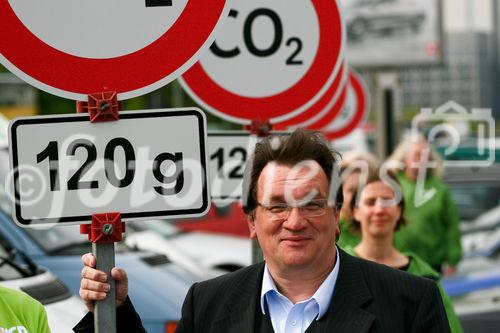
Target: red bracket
(259, 127)
(105, 228)
(101, 106)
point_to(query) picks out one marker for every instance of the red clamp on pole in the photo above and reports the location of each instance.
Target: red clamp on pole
(259, 127)
(101, 106)
(105, 228)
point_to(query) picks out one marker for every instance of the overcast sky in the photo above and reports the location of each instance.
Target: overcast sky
(459, 15)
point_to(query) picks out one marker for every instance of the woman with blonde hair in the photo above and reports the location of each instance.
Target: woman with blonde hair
(432, 231)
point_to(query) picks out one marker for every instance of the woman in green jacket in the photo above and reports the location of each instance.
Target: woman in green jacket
(432, 231)
(377, 214)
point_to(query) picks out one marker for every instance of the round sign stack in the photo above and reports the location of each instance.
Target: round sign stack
(282, 62)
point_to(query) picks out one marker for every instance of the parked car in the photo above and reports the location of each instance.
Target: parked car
(364, 17)
(476, 298)
(227, 219)
(157, 286)
(482, 235)
(475, 190)
(63, 309)
(203, 253)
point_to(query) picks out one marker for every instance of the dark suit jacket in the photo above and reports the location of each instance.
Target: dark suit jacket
(368, 297)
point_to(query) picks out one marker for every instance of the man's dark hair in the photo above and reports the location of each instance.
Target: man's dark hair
(301, 145)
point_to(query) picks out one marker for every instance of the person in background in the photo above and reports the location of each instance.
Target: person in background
(20, 313)
(377, 215)
(432, 231)
(355, 167)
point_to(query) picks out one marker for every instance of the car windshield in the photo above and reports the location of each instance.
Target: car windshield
(357, 3)
(472, 200)
(57, 239)
(487, 221)
(9, 269)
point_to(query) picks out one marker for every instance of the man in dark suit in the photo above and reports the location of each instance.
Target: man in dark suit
(305, 283)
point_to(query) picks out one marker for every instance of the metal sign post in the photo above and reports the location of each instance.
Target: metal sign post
(105, 310)
(106, 229)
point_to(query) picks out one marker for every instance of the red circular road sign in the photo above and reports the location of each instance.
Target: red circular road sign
(240, 97)
(329, 100)
(105, 48)
(354, 110)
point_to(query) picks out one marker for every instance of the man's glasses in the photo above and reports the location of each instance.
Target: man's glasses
(280, 211)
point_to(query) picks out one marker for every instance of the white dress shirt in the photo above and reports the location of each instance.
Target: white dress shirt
(287, 317)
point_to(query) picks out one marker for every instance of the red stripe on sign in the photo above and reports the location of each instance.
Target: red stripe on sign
(126, 73)
(326, 60)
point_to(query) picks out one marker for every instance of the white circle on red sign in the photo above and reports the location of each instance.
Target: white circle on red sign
(75, 48)
(88, 23)
(271, 60)
(272, 34)
(354, 111)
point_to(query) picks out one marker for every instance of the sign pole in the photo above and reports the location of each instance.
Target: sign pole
(106, 229)
(105, 310)
(386, 85)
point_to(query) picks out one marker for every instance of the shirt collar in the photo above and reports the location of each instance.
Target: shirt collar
(323, 296)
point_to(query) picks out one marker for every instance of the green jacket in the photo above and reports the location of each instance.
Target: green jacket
(347, 237)
(420, 268)
(432, 230)
(21, 313)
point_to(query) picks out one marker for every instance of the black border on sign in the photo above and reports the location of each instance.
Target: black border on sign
(123, 115)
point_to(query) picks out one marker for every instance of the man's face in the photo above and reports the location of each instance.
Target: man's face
(298, 241)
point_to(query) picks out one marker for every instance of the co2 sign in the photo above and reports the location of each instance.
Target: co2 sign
(271, 59)
(148, 164)
(266, 51)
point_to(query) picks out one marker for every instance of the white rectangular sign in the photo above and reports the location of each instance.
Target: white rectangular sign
(149, 164)
(228, 152)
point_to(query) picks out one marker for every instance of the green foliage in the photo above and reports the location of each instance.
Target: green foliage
(169, 96)
(50, 104)
(408, 113)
